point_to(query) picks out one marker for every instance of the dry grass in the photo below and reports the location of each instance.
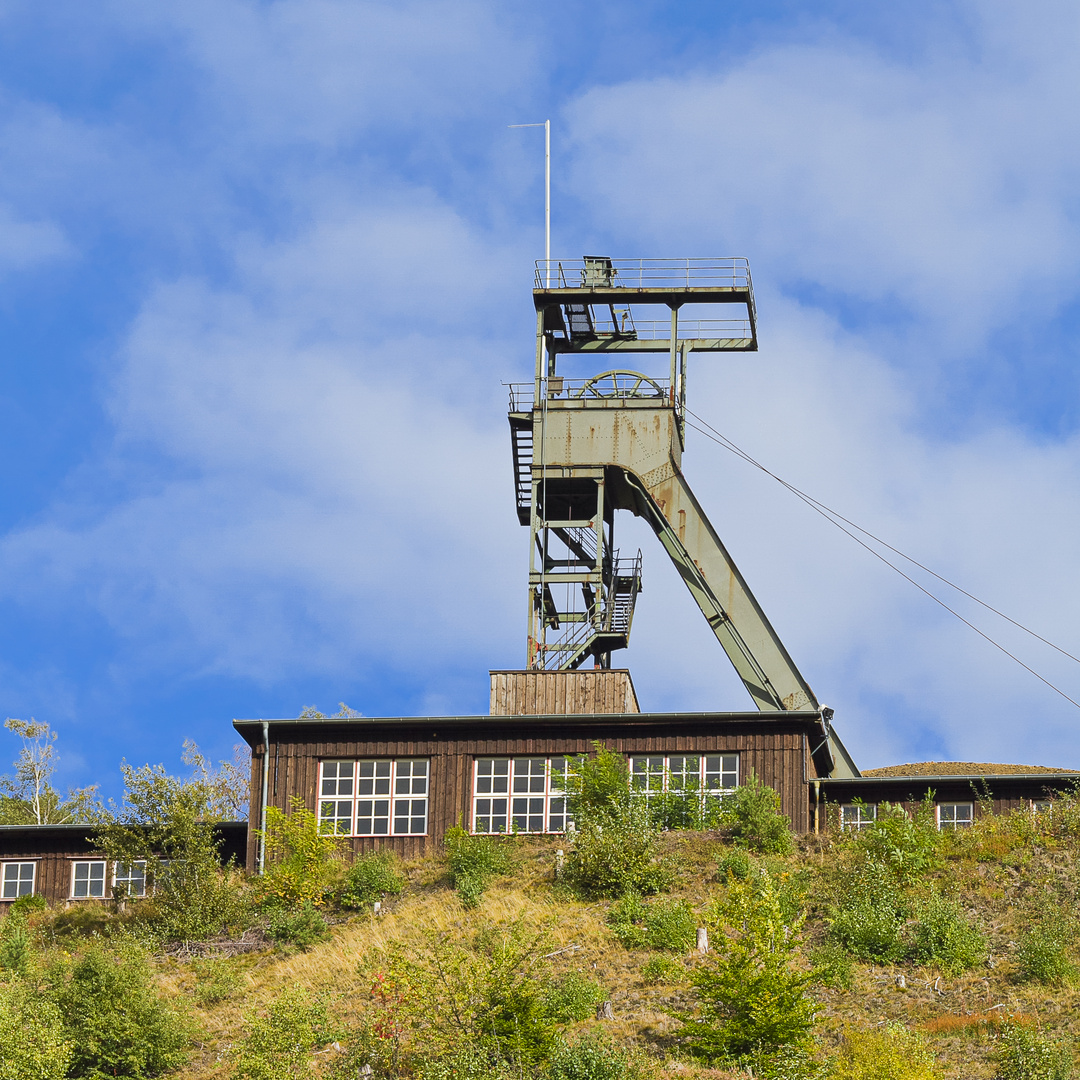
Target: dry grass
(999, 878)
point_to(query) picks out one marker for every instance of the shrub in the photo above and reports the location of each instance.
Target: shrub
(216, 980)
(280, 1043)
(469, 1062)
(833, 965)
(370, 878)
(33, 1042)
(167, 823)
(302, 927)
(619, 856)
(757, 824)
(943, 936)
(793, 1062)
(907, 846)
(27, 905)
(573, 998)
(669, 925)
(868, 919)
(14, 943)
(751, 996)
(1024, 1053)
(893, 1053)
(597, 787)
(734, 864)
(593, 1056)
(301, 861)
(660, 970)
(473, 862)
(117, 1022)
(1043, 952)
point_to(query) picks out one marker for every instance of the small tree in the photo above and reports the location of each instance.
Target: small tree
(28, 797)
(302, 863)
(33, 1042)
(752, 997)
(168, 824)
(754, 813)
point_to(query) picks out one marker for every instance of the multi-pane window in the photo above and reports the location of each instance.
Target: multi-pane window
(955, 815)
(17, 879)
(132, 877)
(88, 879)
(522, 794)
(857, 815)
(375, 797)
(713, 774)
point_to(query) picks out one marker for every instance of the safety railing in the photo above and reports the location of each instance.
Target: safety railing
(623, 385)
(601, 272)
(660, 329)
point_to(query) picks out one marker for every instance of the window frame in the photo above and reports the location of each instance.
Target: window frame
(125, 879)
(546, 800)
(405, 789)
(75, 864)
(665, 773)
(955, 822)
(860, 821)
(18, 880)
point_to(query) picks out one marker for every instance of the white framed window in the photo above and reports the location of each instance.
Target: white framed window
(857, 815)
(1042, 806)
(88, 879)
(955, 815)
(375, 797)
(521, 794)
(710, 774)
(17, 880)
(132, 876)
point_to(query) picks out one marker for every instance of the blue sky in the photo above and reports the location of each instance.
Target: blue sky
(265, 265)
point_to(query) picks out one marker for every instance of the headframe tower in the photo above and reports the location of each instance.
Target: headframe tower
(588, 445)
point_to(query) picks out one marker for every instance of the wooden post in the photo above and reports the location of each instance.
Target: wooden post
(604, 1011)
(702, 940)
(560, 858)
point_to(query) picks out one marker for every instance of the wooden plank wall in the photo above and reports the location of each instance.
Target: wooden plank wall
(53, 873)
(559, 693)
(774, 756)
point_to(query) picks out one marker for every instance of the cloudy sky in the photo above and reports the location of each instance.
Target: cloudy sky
(266, 265)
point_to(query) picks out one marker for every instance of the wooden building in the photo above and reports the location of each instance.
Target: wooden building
(63, 864)
(403, 781)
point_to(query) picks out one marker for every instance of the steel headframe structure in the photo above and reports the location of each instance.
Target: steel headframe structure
(586, 447)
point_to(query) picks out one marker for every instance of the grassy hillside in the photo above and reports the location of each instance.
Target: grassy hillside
(964, 939)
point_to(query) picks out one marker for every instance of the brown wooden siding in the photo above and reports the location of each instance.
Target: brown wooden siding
(550, 693)
(774, 752)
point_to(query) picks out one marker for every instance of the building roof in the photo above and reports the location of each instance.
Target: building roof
(961, 768)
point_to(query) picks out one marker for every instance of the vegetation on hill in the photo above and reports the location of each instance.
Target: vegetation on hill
(893, 953)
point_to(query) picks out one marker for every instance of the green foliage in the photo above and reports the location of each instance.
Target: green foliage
(573, 998)
(791, 1062)
(473, 862)
(216, 980)
(370, 878)
(29, 904)
(280, 1043)
(28, 797)
(907, 846)
(891, 1053)
(1043, 954)
(617, 856)
(688, 807)
(468, 1062)
(662, 924)
(752, 997)
(598, 787)
(117, 1022)
(592, 1056)
(659, 970)
(14, 943)
(302, 863)
(493, 992)
(869, 916)
(756, 822)
(735, 863)
(943, 936)
(33, 1042)
(1024, 1053)
(834, 965)
(168, 823)
(303, 926)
